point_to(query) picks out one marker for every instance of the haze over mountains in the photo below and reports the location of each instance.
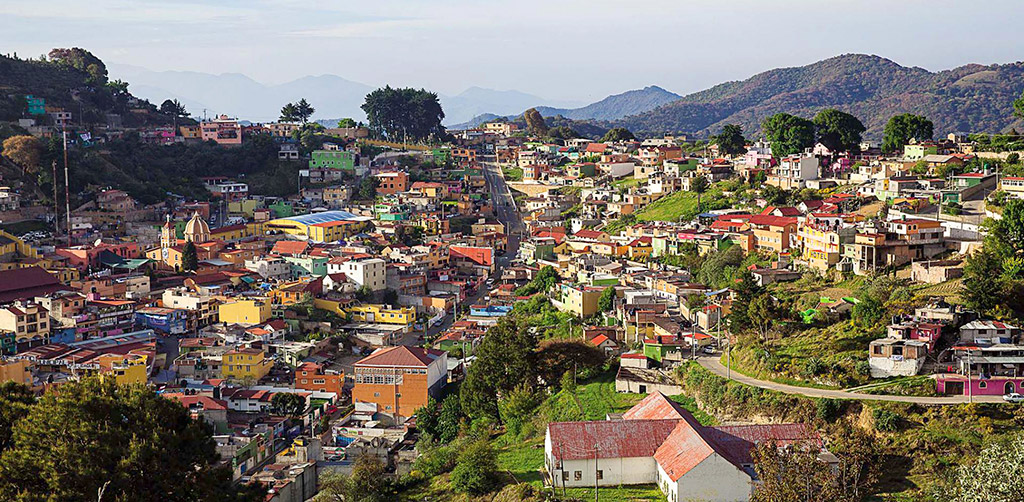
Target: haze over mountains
(969, 98)
(332, 96)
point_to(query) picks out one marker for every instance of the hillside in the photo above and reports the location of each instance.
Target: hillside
(971, 98)
(616, 106)
(66, 87)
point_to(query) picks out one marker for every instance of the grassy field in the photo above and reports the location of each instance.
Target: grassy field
(627, 182)
(512, 173)
(669, 208)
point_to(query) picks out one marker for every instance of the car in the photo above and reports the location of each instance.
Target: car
(709, 350)
(1013, 397)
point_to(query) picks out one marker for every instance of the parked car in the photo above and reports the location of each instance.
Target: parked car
(1013, 397)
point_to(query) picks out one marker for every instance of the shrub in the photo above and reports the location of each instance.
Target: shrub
(475, 470)
(813, 367)
(863, 368)
(885, 420)
(829, 409)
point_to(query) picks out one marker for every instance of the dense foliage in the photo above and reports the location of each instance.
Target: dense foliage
(788, 134)
(400, 113)
(905, 127)
(837, 130)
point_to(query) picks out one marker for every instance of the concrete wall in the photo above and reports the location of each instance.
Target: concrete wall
(882, 367)
(713, 480)
(614, 471)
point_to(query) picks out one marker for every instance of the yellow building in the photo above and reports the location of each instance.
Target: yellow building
(326, 226)
(383, 314)
(19, 371)
(580, 300)
(244, 312)
(125, 369)
(245, 363)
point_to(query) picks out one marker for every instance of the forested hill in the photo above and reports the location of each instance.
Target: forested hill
(971, 98)
(616, 106)
(75, 80)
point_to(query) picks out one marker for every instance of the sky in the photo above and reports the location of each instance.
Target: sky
(580, 50)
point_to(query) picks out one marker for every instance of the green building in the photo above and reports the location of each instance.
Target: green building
(307, 265)
(36, 106)
(659, 348)
(281, 209)
(333, 159)
(441, 155)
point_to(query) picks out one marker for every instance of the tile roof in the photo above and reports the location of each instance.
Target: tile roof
(401, 355)
(655, 406)
(25, 283)
(610, 438)
(290, 247)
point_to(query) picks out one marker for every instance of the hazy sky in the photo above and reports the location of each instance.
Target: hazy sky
(558, 49)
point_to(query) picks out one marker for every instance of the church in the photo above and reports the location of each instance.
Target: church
(172, 249)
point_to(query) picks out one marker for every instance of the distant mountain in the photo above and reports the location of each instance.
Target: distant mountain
(971, 98)
(238, 95)
(476, 101)
(616, 106)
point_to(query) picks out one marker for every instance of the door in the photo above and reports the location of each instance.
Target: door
(1008, 388)
(955, 388)
(643, 389)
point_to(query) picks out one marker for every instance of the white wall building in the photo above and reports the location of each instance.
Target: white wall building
(370, 272)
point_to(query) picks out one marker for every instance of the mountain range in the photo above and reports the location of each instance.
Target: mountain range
(971, 98)
(332, 96)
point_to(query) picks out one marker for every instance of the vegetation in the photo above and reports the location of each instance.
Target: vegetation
(126, 442)
(618, 134)
(969, 98)
(400, 113)
(535, 124)
(994, 276)
(730, 140)
(788, 134)
(297, 112)
(189, 257)
(904, 127)
(838, 131)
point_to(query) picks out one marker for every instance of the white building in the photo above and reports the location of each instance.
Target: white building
(794, 171)
(657, 441)
(199, 305)
(369, 272)
(269, 267)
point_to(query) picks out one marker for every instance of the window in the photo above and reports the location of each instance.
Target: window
(982, 384)
(577, 476)
(565, 475)
(600, 474)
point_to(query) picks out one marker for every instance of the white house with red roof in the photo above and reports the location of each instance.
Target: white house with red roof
(657, 441)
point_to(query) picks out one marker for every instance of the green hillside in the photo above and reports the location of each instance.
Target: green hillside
(971, 98)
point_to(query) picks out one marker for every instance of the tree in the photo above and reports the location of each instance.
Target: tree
(397, 114)
(730, 140)
(617, 134)
(788, 134)
(563, 133)
(173, 108)
(699, 185)
(367, 483)
(347, 123)
(555, 357)
(902, 128)
(993, 477)
(189, 257)
(475, 470)
(25, 151)
(607, 299)
(368, 187)
(838, 131)
(449, 418)
(390, 296)
(795, 474)
(1018, 107)
(505, 360)
(982, 285)
(15, 402)
(304, 110)
(287, 404)
(289, 113)
(761, 313)
(125, 439)
(516, 408)
(82, 60)
(535, 124)
(428, 417)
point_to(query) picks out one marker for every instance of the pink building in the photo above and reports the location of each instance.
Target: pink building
(224, 130)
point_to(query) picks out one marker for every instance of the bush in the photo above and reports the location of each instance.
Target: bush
(437, 460)
(863, 368)
(475, 470)
(886, 421)
(813, 367)
(829, 409)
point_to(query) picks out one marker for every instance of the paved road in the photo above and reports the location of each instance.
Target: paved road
(715, 366)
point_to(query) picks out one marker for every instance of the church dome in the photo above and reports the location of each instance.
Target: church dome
(197, 230)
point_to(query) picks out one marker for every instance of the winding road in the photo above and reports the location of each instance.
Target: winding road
(714, 365)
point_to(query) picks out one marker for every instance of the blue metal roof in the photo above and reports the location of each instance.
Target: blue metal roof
(322, 217)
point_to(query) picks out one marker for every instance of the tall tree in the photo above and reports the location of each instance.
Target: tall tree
(730, 140)
(287, 404)
(788, 134)
(15, 402)
(699, 185)
(304, 110)
(838, 130)
(189, 257)
(289, 113)
(173, 108)
(83, 60)
(1018, 106)
(347, 122)
(993, 477)
(127, 441)
(607, 299)
(902, 128)
(476, 469)
(367, 483)
(397, 114)
(535, 124)
(25, 151)
(616, 134)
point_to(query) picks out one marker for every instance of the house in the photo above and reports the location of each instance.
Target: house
(313, 377)
(400, 379)
(392, 182)
(890, 357)
(658, 442)
(794, 171)
(245, 363)
(244, 312)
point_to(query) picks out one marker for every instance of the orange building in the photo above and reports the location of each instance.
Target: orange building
(312, 376)
(400, 379)
(392, 182)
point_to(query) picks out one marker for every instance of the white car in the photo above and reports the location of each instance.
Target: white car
(1013, 397)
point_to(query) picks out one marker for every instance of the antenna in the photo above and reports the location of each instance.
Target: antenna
(67, 194)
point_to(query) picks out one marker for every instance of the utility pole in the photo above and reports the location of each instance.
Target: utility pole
(67, 192)
(970, 389)
(56, 203)
(595, 473)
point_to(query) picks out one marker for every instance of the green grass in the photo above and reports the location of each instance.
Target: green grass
(670, 207)
(512, 173)
(22, 227)
(617, 494)
(627, 182)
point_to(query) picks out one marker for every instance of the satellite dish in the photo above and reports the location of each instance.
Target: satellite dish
(98, 242)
